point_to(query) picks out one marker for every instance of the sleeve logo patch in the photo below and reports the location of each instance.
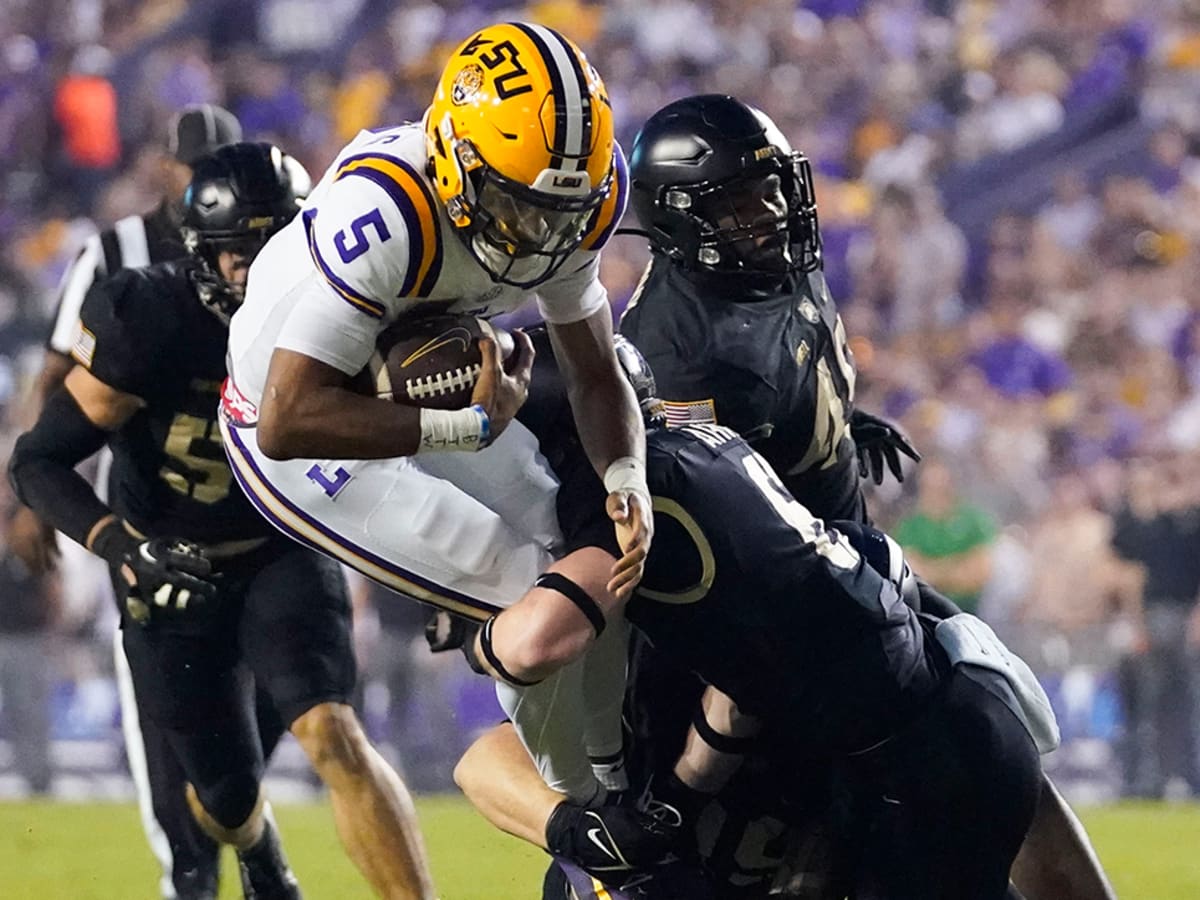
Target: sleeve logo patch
(84, 347)
(690, 412)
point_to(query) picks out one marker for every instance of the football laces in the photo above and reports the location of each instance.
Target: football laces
(442, 383)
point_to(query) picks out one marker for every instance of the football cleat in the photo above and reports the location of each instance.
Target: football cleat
(607, 840)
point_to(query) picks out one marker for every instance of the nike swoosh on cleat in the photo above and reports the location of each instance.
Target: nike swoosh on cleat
(592, 836)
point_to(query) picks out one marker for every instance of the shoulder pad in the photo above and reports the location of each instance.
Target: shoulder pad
(376, 199)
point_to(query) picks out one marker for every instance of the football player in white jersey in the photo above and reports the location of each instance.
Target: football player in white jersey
(507, 189)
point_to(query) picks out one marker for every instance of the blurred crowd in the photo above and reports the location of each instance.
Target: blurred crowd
(1009, 194)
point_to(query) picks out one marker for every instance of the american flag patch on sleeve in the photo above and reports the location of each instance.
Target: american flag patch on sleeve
(84, 347)
(690, 412)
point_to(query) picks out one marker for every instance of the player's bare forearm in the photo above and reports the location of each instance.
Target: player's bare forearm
(610, 428)
(609, 424)
(602, 401)
(308, 412)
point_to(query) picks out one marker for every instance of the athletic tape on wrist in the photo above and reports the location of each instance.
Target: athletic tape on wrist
(626, 474)
(466, 429)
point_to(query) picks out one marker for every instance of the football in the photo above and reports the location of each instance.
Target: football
(431, 362)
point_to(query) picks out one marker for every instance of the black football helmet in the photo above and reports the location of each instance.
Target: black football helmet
(239, 196)
(719, 190)
(641, 379)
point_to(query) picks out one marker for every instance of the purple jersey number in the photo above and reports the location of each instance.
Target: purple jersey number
(358, 228)
(331, 486)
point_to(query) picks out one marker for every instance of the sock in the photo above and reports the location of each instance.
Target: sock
(610, 772)
(265, 871)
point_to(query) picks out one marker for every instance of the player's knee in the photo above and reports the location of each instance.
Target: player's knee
(230, 800)
(463, 772)
(473, 767)
(544, 651)
(334, 741)
(575, 594)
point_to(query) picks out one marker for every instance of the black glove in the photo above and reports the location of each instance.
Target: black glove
(446, 631)
(878, 440)
(608, 841)
(672, 802)
(169, 573)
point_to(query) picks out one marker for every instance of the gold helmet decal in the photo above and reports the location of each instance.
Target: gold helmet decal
(467, 84)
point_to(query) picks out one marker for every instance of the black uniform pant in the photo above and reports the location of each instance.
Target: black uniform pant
(190, 858)
(280, 625)
(944, 807)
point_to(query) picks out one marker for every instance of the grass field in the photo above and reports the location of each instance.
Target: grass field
(55, 851)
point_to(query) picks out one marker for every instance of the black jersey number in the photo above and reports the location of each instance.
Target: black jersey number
(196, 465)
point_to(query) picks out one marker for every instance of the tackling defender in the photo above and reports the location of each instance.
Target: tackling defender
(736, 314)
(188, 857)
(509, 187)
(212, 599)
(805, 636)
(738, 325)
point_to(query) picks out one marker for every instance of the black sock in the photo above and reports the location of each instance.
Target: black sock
(265, 871)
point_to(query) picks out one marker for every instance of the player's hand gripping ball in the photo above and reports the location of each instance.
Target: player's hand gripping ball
(431, 362)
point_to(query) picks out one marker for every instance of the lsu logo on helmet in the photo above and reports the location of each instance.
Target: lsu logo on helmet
(467, 84)
(520, 136)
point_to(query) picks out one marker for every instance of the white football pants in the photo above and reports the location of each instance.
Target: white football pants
(469, 533)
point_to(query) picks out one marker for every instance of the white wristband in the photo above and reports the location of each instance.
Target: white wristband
(466, 429)
(626, 474)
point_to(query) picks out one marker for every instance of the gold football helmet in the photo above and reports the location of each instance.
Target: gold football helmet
(520, 136)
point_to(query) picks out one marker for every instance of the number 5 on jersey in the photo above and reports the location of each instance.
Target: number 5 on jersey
(350, 252)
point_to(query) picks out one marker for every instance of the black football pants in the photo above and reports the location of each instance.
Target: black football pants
(945, 805)
(281, 624)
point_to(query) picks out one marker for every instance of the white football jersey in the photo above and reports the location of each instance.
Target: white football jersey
(372, 243)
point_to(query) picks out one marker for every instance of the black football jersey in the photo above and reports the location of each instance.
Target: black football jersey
(131, 243)
(746, 588)
(144, 332)
(777, 370)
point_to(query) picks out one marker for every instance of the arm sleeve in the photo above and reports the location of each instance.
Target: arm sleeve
(42, 467)
(934, 602)
(320, 325)
(121, 332)
(84, 271)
